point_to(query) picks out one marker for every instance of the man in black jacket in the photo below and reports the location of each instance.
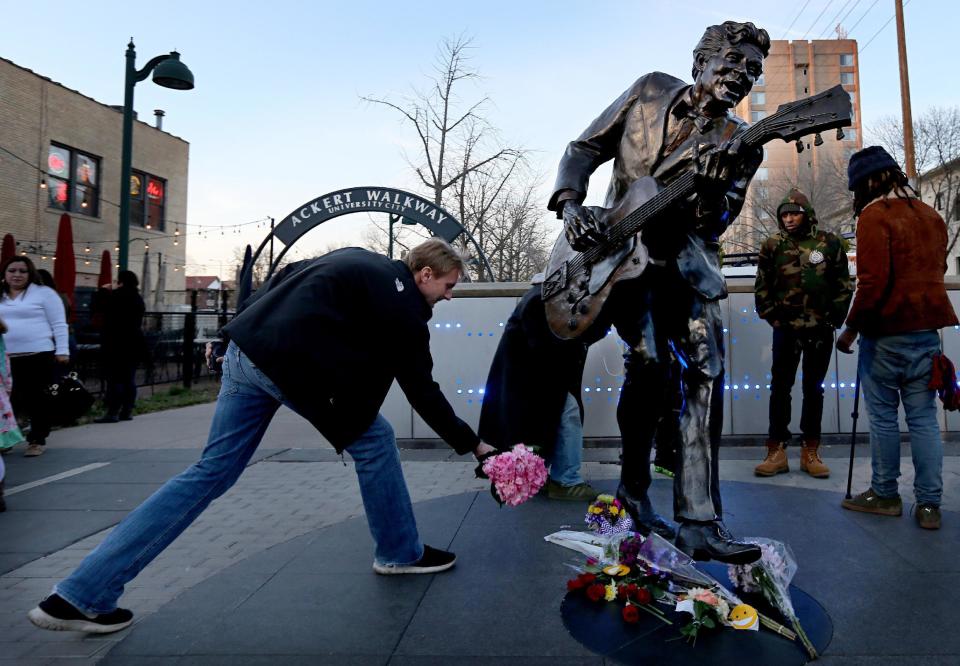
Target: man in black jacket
(325, 337)
(122, 346)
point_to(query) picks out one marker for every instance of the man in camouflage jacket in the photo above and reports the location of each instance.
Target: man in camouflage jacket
(803, 290)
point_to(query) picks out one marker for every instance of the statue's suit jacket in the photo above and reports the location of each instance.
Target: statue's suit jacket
(632, 132)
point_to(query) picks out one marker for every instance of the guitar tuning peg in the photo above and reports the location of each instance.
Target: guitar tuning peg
(839, 133)
(799, 146)
(818, 140)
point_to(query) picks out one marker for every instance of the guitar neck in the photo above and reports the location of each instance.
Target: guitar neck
(681, 188)
(826, 110)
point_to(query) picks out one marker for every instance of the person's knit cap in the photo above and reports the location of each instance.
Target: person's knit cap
(797, 202)
(867, 162)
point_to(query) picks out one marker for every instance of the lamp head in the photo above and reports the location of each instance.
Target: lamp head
(171, 73)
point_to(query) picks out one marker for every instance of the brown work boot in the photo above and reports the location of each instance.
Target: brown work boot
(776, 460)
(810, 461)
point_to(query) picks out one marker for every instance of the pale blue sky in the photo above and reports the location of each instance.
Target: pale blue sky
(275, 118)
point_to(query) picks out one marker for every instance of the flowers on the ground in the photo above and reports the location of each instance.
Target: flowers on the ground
(649, 574)
(771, 576)
(708, 611)
(607, 515)
(515, 475)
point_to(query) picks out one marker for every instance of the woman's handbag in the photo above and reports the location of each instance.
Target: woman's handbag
(944, 381)
(67, 399)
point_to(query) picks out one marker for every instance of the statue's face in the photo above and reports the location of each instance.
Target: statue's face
(728, 76)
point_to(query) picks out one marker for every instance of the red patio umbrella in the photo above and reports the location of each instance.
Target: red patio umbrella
(106, 269)
(9, 247)
(65, 268)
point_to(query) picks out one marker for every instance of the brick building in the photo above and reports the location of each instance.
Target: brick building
(793, 70)
(60, 152)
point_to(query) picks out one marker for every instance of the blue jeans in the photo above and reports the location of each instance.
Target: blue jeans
(568, 448)
(245, 406)
(896, 368)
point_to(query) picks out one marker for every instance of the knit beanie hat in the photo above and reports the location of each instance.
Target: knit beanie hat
(867, 162)
(797, 202)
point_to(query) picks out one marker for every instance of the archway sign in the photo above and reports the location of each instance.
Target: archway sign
(408, 208)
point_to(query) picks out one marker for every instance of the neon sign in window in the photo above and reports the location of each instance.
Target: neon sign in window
(72, 180)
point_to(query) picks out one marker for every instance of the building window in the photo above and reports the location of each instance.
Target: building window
(73, 180)
(148, 198)
(758, 98)
(846, 78)
(757, 116)
(846, 60)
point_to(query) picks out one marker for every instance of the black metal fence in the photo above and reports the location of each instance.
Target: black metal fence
(175, 345)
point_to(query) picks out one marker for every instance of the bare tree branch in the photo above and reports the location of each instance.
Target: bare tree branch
(469, 172)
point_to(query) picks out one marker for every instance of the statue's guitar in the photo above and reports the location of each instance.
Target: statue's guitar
(577, 283)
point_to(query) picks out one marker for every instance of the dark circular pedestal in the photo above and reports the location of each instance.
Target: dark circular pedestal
(600, 627)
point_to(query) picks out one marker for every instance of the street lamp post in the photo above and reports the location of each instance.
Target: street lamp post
(168, 72)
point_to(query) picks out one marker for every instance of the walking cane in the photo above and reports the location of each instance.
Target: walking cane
(853, 432)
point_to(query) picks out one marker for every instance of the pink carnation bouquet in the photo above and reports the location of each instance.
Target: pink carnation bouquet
(515, 475)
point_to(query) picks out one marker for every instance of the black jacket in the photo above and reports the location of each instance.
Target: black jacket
(530, 376)
(121, 338)
(334, 332)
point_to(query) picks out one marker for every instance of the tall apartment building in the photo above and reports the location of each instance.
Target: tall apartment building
(793, 70)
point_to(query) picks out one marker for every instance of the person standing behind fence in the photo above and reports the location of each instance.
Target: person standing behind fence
(122, 346)
(803, 291)
(900, 304)
(36, 342)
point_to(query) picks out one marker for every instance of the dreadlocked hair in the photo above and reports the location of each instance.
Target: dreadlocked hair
(880, 184)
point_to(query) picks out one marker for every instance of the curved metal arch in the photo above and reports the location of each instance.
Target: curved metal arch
(413, 208)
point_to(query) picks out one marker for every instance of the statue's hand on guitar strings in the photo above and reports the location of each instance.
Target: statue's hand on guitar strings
(718, 169)
(582, 229)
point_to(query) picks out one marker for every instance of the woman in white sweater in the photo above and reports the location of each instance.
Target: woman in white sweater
(36, 341)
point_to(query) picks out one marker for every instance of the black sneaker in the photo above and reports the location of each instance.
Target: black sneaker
(55, 614)
(433, 561)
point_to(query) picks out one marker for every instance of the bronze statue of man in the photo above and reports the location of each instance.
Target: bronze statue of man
(664, 128)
